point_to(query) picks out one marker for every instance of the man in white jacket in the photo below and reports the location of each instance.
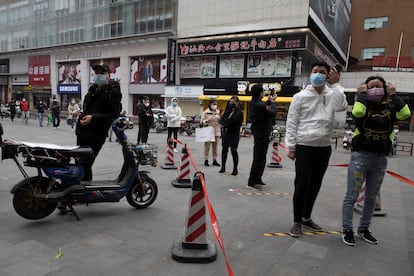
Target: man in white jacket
(309, 128)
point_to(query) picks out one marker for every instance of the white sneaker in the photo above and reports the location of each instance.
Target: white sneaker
(175, 150)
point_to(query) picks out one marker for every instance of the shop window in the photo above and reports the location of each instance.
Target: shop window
(375, 23)
(368, 53)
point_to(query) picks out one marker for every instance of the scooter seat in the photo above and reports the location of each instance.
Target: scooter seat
(80, 152)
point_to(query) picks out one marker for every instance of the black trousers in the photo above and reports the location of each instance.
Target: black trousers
(143, 131)
(310, 166)
(56, 119)
(173, 131)
(96, 144)
(261, 144)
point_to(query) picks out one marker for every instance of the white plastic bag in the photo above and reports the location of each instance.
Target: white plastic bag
(205, 134)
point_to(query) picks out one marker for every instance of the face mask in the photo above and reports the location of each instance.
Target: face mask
(375, 94)
(232, 105)
(100, 79)
(213, 107)
(317, 79)
(146, 104)
(73, 102)
(174, 104)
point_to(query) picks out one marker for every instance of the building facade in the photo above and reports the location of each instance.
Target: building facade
(227, 46)
(382, 43)
(48, 47)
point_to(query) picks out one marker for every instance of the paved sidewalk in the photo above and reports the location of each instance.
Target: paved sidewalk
(115, 239)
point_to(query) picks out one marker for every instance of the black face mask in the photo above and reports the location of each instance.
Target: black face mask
(232, 105)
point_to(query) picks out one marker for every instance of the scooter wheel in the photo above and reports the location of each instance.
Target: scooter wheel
(142, 195)
(26, 205)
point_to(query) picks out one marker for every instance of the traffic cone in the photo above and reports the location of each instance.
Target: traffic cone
(276, 157)
(183, 171)
(194, 246)
(359, 205)
(169, 157)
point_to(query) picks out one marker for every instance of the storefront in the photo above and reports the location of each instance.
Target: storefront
(188, 98)
(280, 60)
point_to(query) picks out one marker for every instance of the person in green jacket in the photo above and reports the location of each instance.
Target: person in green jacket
(376, 110)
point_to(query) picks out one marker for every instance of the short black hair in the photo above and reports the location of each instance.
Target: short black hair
(323, 64)
(256, 90)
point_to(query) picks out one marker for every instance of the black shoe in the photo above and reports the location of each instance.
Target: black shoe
(311, 225)
(206, 163)
(222, 170)
(254, 187)
(296, 230)
(348, 237)
(235, 172)
(215, 163)
(365, 234)
(261, 183)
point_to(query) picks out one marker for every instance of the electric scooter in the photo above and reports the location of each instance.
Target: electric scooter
(59, 176)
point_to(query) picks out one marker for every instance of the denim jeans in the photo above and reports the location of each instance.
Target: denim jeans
(369, 166)
(40, 119)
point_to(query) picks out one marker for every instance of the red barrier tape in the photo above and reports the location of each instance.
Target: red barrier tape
(213, 219)
(393, 174)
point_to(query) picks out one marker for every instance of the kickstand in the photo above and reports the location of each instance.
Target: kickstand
(74, 212)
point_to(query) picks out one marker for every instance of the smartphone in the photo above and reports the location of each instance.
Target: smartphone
(338, 67)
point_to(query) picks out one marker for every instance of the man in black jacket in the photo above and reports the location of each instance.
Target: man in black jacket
(101, 105)
(146, 118)
(261, 116)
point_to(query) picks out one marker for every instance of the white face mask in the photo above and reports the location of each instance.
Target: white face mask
(146, 104)
(213, 107)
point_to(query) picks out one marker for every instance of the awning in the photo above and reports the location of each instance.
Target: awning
(241, 98)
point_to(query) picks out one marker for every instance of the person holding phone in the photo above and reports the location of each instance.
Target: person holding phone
(262, 116)
(376, 110)
(309, 128)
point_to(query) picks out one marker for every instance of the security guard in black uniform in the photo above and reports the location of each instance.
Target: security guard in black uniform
(101, 105)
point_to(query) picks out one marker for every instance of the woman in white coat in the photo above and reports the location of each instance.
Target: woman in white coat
(173, 114)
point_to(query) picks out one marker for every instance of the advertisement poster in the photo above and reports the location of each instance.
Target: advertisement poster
(69, 72)
(271, 65)
(149, 69)
(190, 67)
(39, 70)
(114, 68)
(254, 66)
(284, 66)
(231, 66)
(208, 67)
(333, 19)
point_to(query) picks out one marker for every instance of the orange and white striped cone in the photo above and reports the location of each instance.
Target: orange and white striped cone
(359, 205)
(194, 246)
(276, 157)
(183, 171)
(169, 157)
